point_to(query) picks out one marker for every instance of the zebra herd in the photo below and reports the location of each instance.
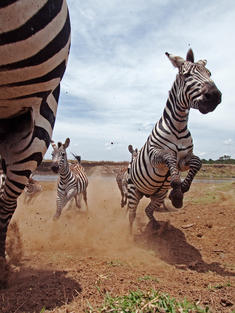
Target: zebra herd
(34, 47)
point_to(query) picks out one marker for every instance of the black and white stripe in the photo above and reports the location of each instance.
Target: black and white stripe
(34, 47)
(73, 180)
(122, 177)
(169, 148)
(2, 182)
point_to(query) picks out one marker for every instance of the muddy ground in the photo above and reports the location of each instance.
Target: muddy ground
(65, 265)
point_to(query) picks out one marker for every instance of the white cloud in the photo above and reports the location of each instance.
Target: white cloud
(228, 141)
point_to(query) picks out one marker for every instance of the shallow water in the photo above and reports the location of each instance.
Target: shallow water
(53, 177)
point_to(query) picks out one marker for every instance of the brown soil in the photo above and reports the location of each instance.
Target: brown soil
(65, 265)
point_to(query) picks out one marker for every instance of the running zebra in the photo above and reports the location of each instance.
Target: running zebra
(122, 177)
(73, 180)
(34, 47)
(169, 148)
(31, 190)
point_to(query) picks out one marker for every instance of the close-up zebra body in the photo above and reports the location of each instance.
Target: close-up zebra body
(72, 181)
(34, 47)
(169, 148)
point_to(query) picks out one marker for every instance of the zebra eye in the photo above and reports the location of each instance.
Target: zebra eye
(187, 74)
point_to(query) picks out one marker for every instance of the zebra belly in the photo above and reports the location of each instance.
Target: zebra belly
(150, 180)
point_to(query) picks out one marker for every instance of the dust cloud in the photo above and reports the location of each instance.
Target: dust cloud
(102, 231)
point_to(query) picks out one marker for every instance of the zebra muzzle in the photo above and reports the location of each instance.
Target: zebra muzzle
(55, 169)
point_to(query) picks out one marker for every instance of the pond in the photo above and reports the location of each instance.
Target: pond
(53, 177)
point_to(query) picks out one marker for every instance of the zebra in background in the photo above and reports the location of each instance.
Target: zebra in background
(34, 47)
(31, 190)
(169, 148)
(72, 181)
(122, 177)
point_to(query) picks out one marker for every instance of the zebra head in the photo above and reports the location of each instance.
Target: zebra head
(59, 155)
(196, 89)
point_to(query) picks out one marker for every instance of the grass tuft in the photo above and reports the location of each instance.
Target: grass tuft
(146, 302)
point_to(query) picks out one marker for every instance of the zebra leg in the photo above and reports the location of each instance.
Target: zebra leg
(156, 201)
(194, 166)
(176, 194)
(14, 186)
(61, 201)
(125, 192)
(133, 197)
(122, 193)
(85, 198)
(78, 201)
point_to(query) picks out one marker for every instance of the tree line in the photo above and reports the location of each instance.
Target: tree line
(225, 159)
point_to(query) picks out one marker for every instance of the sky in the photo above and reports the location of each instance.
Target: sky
(118, 77)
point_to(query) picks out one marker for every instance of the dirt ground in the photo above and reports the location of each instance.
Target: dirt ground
(65, 265)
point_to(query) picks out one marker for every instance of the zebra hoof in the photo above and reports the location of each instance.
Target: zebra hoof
(152, 227)
(176, 198)
(185, 188)
(4, 272)
(55, 218)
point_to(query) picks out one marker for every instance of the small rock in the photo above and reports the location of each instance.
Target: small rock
(199, 235)
(225, 302)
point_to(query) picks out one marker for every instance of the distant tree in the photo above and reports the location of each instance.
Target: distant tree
(225, 157)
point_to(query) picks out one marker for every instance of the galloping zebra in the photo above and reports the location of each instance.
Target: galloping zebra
(73, 180)
(169, 148)
(122, 177)
(34, 47)
(31, 190)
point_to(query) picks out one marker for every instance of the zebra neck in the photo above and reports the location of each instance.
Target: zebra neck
(175, 114)
(64, 171)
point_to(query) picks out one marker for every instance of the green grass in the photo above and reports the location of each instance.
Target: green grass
(212, 194)
(148, 277)
(115, 263)
(219, 286)
(145, 302)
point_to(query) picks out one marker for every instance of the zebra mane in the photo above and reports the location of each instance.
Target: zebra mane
(77, 157)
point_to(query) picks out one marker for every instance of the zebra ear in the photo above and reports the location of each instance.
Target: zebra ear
(67, 142)
(59, 144)
(190, 56)
(202, 62)
(53, 145)
(130, 148)
(175, 60)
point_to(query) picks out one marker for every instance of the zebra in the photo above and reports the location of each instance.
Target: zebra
(32, 189)
(122, 177)
(72, 181)
(169, 148)
(34, 48)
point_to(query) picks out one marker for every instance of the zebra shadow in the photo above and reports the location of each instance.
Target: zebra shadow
(32, 290)
(171, 246)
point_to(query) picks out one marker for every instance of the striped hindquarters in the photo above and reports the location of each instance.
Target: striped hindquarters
(80, 177)
(148, 179)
